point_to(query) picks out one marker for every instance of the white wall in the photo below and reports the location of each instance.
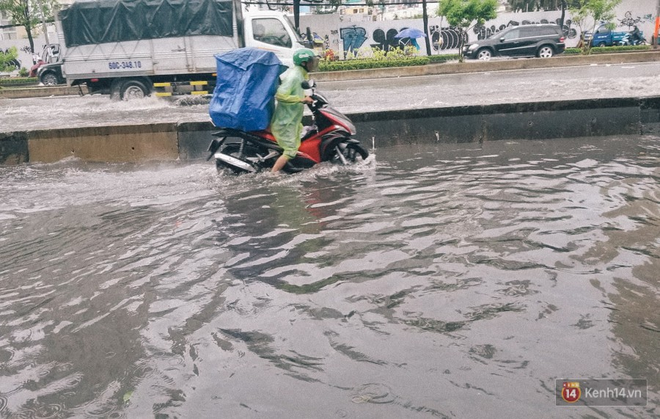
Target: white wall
(341, 33)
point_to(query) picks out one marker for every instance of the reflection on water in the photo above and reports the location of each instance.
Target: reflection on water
(435, 281)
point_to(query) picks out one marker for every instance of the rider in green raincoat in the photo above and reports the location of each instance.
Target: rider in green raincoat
(286, 124)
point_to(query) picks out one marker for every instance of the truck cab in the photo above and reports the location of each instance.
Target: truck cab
(272, 32)
(604, 36)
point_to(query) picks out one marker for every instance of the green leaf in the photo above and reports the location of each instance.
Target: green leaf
(127, 396)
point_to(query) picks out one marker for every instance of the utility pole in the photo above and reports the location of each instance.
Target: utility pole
(425, 19)
(296, 14)
(657, 25)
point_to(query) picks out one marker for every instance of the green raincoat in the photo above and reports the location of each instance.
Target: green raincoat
(286, 124)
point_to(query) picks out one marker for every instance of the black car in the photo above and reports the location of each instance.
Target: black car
(542, 40)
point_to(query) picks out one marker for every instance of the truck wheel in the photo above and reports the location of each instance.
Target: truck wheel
(49, 79)
(545, 51)
(133, 89)
(600, 44)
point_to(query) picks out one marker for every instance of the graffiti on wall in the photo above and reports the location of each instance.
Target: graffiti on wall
(346, 38)
(446, 38)
(354, 37)
(385, 40)
(630, 21)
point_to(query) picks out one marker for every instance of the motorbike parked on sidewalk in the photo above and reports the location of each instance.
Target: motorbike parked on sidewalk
(327, 139)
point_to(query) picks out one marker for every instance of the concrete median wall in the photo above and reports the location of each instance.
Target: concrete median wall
(477, 66)
(531, 121)
(130, 143)
(188, 141)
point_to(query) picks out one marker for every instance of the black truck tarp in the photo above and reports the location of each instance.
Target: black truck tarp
(101, 21)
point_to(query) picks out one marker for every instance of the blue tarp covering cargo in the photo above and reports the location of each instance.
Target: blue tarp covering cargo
(244, 96)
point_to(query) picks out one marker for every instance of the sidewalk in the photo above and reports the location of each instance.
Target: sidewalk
(431, 69)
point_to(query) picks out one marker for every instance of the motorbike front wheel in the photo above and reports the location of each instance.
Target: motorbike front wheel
(349, 153)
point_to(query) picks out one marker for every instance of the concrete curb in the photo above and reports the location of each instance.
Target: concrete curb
(431, 69)
(188, 141)
(42, 91)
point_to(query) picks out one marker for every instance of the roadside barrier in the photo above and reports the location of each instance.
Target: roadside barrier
(466, 124)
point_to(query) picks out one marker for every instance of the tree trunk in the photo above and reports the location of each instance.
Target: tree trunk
(460, 44)
(28, 30)
(563, 15)
(28, 27)
(586, 45)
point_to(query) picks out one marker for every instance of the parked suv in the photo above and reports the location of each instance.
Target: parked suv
(543, 40)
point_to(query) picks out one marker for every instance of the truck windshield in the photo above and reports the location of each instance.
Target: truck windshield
(296, 34)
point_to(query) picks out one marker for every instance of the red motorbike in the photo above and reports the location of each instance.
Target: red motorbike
(327, 139)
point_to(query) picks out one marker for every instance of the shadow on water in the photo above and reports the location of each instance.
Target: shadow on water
(434, 281)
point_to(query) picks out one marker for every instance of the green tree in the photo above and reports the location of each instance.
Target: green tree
(464, 13)
(326, 7)
(7, 59)
(592, 12)
(29, 13)
(534, 5)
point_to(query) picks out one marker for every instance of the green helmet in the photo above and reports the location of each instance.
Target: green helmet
(302, 56)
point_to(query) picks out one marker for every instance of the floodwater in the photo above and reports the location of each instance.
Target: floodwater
(431, 281)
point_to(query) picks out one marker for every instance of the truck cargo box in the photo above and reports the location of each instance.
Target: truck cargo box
(102, 21)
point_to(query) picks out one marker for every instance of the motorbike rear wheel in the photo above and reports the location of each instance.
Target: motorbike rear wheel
(237, 161)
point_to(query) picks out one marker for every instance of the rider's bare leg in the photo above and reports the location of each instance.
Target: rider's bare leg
(279, 163)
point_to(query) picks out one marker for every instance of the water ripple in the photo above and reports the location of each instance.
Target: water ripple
(426, 281)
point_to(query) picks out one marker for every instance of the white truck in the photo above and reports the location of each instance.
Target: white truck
(134, 48)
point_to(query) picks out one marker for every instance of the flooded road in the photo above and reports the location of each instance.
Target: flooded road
(434, 281)
(373, 95)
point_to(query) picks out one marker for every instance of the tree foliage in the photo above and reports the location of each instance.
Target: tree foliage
(29, 13)
(8, 59)
(534, 5)
(464, 13)
(587, 13)
(329, 6)
(594, 11)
